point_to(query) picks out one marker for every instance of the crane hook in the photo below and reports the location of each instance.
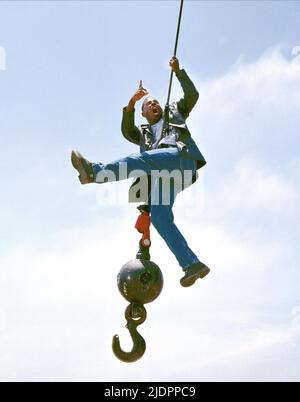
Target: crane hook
(135, 315)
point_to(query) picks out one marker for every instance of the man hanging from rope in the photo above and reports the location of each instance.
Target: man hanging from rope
(165, 145)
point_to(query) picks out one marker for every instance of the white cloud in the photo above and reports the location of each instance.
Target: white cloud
(271, 82)
(258, 356)
(253, 186)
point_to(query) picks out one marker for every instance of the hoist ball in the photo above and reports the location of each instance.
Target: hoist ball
(140, 281)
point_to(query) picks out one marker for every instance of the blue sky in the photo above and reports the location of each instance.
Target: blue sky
(70, 68)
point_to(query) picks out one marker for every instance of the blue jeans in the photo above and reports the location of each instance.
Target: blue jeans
(162, 216)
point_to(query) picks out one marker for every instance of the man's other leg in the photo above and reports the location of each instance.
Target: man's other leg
(162, 218)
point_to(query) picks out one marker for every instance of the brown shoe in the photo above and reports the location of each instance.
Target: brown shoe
(84, 167)
(194, 272)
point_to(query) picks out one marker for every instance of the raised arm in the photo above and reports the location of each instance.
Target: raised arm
(129, 129)
(191, 95)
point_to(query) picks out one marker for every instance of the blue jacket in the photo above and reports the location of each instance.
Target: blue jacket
(179, 112)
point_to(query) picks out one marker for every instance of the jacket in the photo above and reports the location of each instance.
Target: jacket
(178, 113)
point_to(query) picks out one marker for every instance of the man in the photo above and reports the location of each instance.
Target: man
(165, 144)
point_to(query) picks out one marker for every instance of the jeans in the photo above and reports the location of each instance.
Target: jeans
(162, 216)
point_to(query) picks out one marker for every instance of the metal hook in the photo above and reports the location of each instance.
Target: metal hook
(135, 315)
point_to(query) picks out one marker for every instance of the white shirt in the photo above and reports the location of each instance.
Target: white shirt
(157, 132)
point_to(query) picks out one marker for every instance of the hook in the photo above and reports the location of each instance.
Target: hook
(135, 315)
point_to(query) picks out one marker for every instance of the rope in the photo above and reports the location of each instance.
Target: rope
(175, 51)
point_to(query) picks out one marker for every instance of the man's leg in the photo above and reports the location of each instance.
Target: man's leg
(131, 166)
(136, 164)
(162, 219)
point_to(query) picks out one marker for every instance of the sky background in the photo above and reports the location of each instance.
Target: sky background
(70, 69)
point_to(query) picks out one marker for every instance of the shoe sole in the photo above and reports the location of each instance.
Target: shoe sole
(77, 164)
(192, 279)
